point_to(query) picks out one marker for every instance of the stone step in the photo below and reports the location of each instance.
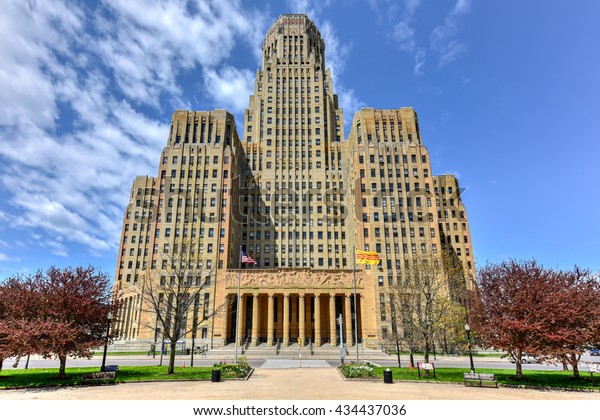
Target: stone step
(292, 351)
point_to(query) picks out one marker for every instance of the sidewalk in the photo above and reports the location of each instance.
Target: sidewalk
(291, 384)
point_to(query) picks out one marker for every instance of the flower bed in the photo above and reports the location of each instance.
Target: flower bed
(354, 370)
(233, 370)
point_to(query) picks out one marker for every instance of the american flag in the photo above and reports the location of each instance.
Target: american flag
(246, 259)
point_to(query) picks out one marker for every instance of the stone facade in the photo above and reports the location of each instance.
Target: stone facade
(297, 197)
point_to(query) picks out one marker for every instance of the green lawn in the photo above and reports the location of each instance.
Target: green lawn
(531, 378)
(47, 377)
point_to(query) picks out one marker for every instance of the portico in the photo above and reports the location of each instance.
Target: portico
(304, 313)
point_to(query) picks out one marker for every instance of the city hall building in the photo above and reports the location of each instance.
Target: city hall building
(299, 198)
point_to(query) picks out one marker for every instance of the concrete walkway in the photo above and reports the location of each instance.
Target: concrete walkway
(289, 363)
(290, 384)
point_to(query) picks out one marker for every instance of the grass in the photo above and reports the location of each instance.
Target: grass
(34, 378)
(506, 377)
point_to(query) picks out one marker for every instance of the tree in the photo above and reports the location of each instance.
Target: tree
(424, 304)
(19, 312)
(175, 292)
(59, 313)
(505, 306)
(570, 315)
(522, 307)
(75, 306)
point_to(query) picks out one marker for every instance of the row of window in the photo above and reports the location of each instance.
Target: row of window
(298, 262)
(293, 235)
(393, 217)
(395, 233)
(198, 173)
(392, 187)
(396, 158)
(383, 202)
(205, 136)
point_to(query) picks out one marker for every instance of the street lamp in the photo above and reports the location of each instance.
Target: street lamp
(108, 319)
(468, 330)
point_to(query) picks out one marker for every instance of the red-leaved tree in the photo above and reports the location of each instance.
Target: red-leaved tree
(59, 313)
(75, 309)
(19, 311)
(504, 307)
(570, 317)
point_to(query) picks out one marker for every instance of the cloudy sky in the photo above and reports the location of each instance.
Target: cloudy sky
(508, 96)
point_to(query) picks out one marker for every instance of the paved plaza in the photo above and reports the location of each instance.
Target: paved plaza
(290, 383)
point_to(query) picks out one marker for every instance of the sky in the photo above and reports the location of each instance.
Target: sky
(507, 93)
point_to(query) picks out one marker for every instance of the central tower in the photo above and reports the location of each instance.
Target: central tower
(293, 213)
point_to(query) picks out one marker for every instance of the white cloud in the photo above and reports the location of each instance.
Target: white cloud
(76, 84)
(404, 35)
(419, 62)
(230, 87)
(312, 8)
(336, 52)
(149, 49)
(443, 37)
(401, 17)
(461, 7)
(350, 103)
(4, 257)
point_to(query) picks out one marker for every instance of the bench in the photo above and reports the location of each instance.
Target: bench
(99, 377)
(111, 368)
(480, 379)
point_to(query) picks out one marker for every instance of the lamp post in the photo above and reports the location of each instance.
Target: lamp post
(468, 330)
(108, 319)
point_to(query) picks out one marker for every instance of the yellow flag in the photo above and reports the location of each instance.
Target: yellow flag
(364, 257)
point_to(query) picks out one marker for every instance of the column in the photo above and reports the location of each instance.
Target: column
(302, 319)
(348, 321)
(240, 320)
(286, 320)
(361, 324)
(332, 325)
(255, 320)
(317, 310)
(227, 323)
(270, 315)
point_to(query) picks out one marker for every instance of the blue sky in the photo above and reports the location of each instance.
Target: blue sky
(508, 97)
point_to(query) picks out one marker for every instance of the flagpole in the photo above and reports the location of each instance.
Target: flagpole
(237, 311)
(355, 307)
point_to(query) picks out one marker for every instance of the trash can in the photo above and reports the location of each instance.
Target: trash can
(387, 377)
(216, 375)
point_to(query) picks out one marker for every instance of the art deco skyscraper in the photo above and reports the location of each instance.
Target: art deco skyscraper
(295, 154)
(299, 198)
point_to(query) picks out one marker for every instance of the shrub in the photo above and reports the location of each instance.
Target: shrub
(354, 370)
(233, 370)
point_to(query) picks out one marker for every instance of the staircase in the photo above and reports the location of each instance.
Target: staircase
(293, 351)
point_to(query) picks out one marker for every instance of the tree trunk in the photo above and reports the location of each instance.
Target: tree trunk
(398, 352)
(63, 365)
(173, 348)
(575, 367)
(519, 368)
(1, 362)
(565, 365)
(426, 351)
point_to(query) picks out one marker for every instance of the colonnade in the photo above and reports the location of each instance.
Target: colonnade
(285, 317)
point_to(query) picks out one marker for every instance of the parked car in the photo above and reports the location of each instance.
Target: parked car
(525, 358)
(595, 352)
